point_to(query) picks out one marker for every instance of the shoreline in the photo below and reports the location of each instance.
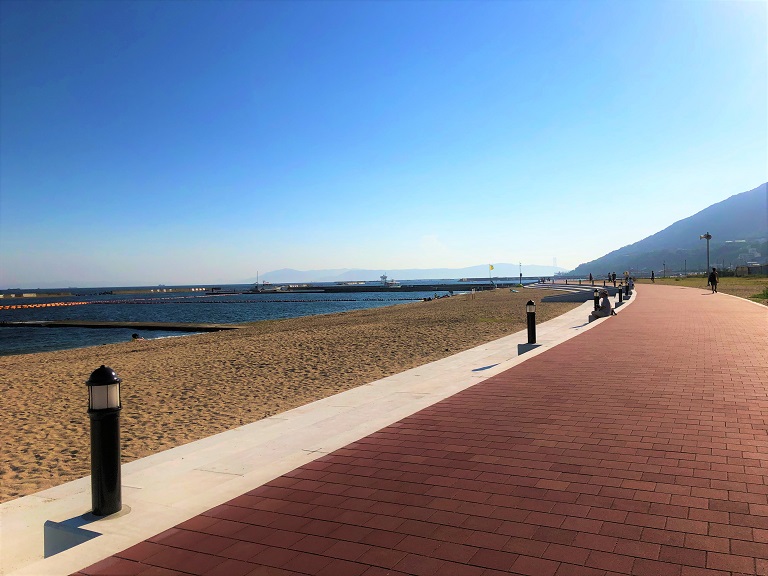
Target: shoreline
(178, 390)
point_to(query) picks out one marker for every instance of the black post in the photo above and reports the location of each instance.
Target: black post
(597, 300)
(531, 319)
(621, 292)
(106, 497)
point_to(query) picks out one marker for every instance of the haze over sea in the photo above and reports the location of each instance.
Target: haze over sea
(149, 304)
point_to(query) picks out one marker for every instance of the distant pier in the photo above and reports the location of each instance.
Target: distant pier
(355, 288)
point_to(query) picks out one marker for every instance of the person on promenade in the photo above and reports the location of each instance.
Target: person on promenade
(713, 279)
(605, 308)
(591, 280)
(653, 278)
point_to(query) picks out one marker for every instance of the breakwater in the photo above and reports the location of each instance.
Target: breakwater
(357, 288)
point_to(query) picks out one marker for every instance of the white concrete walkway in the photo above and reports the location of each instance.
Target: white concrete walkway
(170, 487)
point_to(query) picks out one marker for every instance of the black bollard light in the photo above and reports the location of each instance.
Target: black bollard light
(621, 292)
(596, 296)
(104, 411)
(530, 312)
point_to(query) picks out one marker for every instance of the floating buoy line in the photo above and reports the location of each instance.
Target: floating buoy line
(46, 305)
(195, 300)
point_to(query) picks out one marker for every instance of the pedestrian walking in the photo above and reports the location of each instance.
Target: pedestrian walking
(713, 279)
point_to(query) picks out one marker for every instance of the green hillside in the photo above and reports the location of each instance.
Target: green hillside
(739, 229)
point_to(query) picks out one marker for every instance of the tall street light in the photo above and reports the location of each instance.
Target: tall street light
(708, 237)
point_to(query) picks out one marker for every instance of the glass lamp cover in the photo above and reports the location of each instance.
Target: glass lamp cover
(105, 396)
(530, 307)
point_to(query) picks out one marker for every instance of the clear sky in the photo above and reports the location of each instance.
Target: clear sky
(202, 141)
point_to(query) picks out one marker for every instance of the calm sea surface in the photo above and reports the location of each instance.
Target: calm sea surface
(145, 306)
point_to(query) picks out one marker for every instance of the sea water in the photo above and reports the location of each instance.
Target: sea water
(177, 307)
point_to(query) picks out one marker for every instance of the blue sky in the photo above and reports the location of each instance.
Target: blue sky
(197, 141)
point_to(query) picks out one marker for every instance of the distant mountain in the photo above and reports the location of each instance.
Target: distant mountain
(347, 275)
(739, 229)
(291, 275)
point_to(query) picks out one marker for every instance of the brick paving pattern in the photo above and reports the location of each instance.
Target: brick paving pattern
(639, 447)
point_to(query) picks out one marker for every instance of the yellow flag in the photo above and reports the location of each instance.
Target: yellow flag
(491, 265)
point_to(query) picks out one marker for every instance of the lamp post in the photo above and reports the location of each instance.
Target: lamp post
(596, 296)
(104, 412)
(530, 313)
(707, 236)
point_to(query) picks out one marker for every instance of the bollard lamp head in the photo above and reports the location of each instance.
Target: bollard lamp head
(596, 293)
(530, 306)
(103, 389)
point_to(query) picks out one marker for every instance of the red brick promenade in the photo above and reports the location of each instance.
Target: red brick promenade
(639, 447)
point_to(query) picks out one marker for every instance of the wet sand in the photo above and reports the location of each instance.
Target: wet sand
(178, 390)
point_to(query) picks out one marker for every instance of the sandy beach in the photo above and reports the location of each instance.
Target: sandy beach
(178, 390)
